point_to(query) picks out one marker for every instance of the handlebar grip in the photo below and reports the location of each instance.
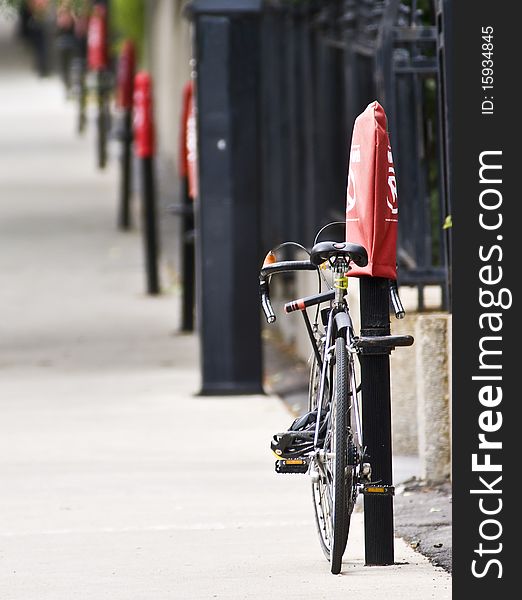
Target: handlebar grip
(303, 303)
(265, 301)
(398, 309)
(267, 308)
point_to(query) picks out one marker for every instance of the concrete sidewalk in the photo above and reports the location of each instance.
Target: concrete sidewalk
(117, 480)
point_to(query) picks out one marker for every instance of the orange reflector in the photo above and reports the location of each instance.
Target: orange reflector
(270, 259)
(294, 461)
(375, 490)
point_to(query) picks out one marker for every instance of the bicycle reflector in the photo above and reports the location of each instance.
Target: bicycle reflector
(270, 259)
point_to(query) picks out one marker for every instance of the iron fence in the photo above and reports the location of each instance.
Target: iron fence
(322, 63)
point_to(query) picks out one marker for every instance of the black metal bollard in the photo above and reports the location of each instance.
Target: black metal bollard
(101, 121)
(188, 258)
(40, 37)
(376, 417)
(144, 146)
(228, 254)
(150, 237)
(124, 210)
(188, 178)
(78, 80)
(124, 99)
(98, 61)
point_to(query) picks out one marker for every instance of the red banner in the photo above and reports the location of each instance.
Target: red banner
(191, 144)
(144, 136)
(371, 195)
(183, 160)
(125, 76)
(97, 52)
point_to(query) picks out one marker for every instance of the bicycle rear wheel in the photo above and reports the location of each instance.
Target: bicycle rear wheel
(332, 490)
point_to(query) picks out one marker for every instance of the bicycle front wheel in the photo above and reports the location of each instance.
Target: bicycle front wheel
(332, 490)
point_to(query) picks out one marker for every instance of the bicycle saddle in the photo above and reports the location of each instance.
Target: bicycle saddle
(322, 251)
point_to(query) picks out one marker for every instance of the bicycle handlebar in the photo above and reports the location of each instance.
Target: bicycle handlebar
(300, 304)
(271, 269)
(286, 265)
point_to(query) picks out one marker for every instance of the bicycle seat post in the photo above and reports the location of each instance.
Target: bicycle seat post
(340, 268)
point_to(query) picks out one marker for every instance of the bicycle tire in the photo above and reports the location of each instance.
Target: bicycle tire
(341, 487)
(333, 492)
(321, 510)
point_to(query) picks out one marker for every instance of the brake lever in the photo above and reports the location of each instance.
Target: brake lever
(265, 301)
(395, 299)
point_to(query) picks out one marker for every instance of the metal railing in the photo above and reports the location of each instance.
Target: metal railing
(321, 64)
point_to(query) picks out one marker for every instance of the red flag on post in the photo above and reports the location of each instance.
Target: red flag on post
(144, 136)
(188, 141)
(183, 151)
(371, 195)
(125, 76)
(97, 50)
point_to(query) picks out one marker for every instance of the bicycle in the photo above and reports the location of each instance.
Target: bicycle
(327, 442)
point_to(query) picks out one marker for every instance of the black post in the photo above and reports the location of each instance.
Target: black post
(79, 70)
(101, 119)
(376, 417)
(150, 237)
(188, 262)
(124, 215)
(228, 254)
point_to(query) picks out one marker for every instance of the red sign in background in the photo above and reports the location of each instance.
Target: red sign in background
(188, 141)
(125, 76)
(144, 135)
(97, 52)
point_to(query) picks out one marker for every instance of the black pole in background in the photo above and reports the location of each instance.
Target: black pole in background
(227, 51)
(376, 422)
(150, 237)
(101, 119)
(144, 144)
(124, 214)
(126, 73)
(188, 258)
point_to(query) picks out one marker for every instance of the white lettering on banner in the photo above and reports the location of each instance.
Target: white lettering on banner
(350, 192)
(355, 157)
(392, 184)
(191, 140)
(355, 153)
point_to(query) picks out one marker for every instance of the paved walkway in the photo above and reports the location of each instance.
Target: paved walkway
(117, 481)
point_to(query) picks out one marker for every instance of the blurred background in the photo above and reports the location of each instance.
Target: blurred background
(200, 135)
(283, 89)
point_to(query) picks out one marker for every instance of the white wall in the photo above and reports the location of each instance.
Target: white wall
(168, 58)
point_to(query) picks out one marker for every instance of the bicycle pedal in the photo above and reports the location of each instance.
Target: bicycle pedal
(372, 489)
(292, 465)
